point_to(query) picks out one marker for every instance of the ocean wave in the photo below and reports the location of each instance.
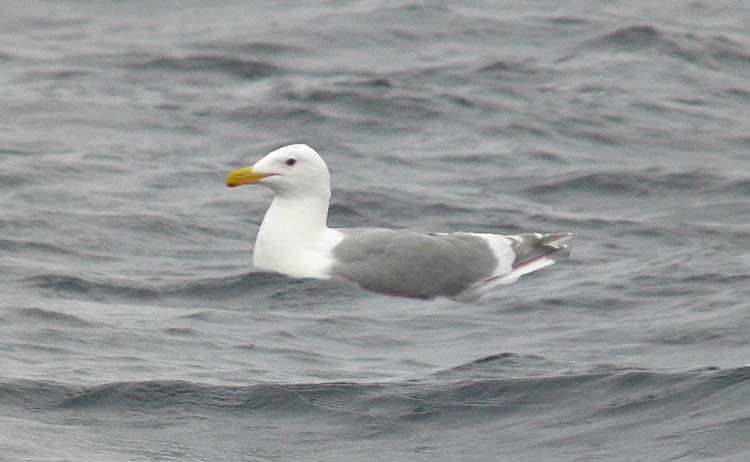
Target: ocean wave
(241, 286)
(601, 392)
(707, 51)
(61, 284)
(7, 57)
(285, 113)
(12, 180)
(233, 66)
(632, 183)
(263, 48)
(739, 187)
(638, 36)
(510, 69)
(220, 289)
(37, 248)
(53, 317)
(506, 363)
(366, 104)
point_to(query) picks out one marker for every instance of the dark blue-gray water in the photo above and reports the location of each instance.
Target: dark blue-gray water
(133, 326)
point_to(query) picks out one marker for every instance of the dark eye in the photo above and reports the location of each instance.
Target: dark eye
(290, 162)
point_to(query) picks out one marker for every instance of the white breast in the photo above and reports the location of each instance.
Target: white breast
(299, 255)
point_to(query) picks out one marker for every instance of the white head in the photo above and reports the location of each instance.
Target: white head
(294, 170)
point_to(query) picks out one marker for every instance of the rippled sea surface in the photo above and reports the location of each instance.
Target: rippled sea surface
(133, 326)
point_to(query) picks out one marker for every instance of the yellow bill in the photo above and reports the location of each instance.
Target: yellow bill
(244, 176)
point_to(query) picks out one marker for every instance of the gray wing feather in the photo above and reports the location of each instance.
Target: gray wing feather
(413, 264)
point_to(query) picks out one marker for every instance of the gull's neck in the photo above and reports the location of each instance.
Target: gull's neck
(293, 216)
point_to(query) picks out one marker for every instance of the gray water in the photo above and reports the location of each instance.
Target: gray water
(133, 326)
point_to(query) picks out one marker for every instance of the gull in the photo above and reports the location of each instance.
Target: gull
(294, 239)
